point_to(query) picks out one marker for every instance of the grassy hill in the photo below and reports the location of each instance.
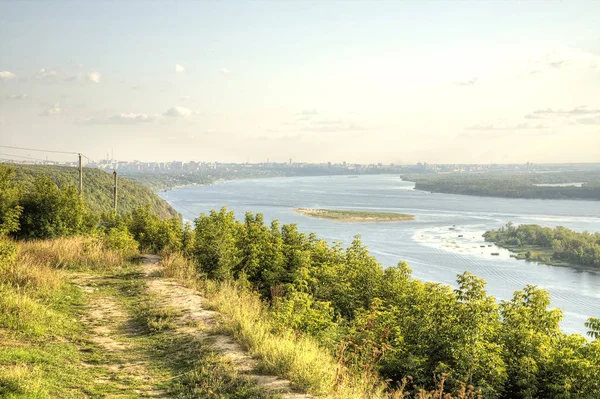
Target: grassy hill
(98, 188)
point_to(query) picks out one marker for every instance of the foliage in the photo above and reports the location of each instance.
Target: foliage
(10, 210)
(382, 322)
(594, 325)
(97, 188)
(153, 233)
(216, 237)
(120, 239)
(512, 185)
(50, 211)
(565, 245)
(355, 216)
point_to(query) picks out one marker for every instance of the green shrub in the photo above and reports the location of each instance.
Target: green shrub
(10, 210)
(50, 211)
(120, 239)
(8, 252)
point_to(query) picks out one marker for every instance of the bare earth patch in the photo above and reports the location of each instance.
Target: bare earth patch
(198, 322)
(108, 325)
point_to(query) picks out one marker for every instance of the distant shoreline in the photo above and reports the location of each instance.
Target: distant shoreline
(354, 216)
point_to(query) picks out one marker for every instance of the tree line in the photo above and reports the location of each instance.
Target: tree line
(512, 185)
(97, 188)
(566, 245)
(374, 319)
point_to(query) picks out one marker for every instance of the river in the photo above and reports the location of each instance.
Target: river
(430, 244)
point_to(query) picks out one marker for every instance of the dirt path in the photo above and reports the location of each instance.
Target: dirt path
(119, 362)
(196, 322)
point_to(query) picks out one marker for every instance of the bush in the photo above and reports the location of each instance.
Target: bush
(50, 211)
(8, 252)
(121, 240)
(10, 210)
(155, 234)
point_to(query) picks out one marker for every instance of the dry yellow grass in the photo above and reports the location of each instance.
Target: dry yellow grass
(73, 253)
(298, 358)
(179, 267)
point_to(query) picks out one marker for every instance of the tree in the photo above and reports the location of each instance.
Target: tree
(10, 210)
(216, 250)
(529, 328)
(50, 211)
(594, 327)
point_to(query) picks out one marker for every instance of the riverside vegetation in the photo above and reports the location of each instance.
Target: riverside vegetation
(512, 185)
(97, 188)
(559, 246)
(330, 319)
(354, 216)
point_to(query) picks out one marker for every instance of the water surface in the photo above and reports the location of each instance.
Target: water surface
(430, 244)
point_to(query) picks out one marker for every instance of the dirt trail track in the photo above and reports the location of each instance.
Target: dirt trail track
(110, 328)
(196, 322)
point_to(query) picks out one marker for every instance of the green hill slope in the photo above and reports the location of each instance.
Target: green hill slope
(97, 188)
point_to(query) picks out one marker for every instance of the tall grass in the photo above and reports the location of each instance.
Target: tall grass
(34, 286)
(38, 312)
(75, 253)
(297, 357)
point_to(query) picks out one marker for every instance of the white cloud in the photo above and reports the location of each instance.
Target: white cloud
(131, 118)
(53, 110)
(469, 82)
(178, 112)
(225, 71)
(17, 96)
(122, 119)
(179, 68)
(46, 74)
(94, 77)
(6, 75)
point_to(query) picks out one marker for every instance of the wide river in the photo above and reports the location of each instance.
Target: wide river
(430, 244)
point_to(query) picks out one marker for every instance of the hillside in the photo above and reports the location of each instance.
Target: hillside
(98, 188)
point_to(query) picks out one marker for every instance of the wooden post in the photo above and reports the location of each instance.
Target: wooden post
(115, 193)
(80, 177)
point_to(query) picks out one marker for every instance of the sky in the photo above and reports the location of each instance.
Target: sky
(235, 81)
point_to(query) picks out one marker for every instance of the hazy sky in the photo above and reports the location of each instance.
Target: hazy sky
(374, 81)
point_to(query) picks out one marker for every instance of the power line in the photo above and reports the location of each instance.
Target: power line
(53, 151)
(35, 149)
(25, 157)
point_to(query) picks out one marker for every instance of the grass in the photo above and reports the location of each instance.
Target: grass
(354, 216)
(299, 358)
(189, 368)
(75, 253)
(48, 351)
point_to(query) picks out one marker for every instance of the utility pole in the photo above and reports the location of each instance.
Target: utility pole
(115, 193)
(80, 177)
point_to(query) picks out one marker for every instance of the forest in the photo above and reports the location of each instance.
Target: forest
(97, 188)
(565, 246)
(377, 321)
(512, 185)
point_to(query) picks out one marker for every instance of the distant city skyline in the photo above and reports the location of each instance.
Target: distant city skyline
(362, 82)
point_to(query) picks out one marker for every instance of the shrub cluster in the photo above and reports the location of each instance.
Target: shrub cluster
(567, 245)
(384, 321)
